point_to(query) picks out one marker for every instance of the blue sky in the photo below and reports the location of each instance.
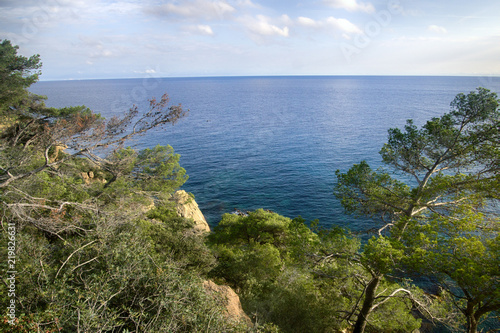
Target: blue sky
(80, 39)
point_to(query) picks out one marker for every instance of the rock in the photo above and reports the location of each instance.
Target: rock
(85, 177)
(238, 212)
(57, 153)
(230, 300)
(90, 177)
(187, 207)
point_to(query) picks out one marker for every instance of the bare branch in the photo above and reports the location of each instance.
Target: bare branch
(69, 257)
(80, 265)
(386, 226)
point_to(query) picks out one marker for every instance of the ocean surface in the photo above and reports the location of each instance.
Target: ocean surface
(273, 142)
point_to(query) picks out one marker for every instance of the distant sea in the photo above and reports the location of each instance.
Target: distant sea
(273, 142)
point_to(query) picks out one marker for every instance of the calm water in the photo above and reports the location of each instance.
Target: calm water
(273, 142)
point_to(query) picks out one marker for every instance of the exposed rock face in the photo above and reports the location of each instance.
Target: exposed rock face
(56, 154)
(188, 208)
(229, 299)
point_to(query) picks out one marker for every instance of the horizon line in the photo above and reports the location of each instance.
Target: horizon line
(273, 75)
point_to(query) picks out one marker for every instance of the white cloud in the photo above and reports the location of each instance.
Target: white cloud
(200, 29)
(147, 71)
(247, 3)
(262, 26)
(329, 23)
(111, 38)
(351, 5)
(32, 18)
(308, 22)
(205, 9)
(437, 29)
(97, 49)
(343, 25)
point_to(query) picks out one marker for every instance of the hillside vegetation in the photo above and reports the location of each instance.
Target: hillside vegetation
(91, 241)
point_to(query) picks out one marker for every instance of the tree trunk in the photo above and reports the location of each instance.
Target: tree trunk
(471, 318)
(370, 292)
(471, 324)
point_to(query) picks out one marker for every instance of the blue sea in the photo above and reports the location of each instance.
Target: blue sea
(273, 142)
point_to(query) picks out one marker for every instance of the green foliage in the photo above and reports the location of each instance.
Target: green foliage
(65, 112)
(382, 255)
(174, 237)
(296, 304)
(158, 169)
(248, 247)
(467, 136)
(395, 316)
(258, 255)
(300, 280)
(98, 245)
(464, 262)
(366, 192)
(453, 159)
(259, 227)
(441, 220)
(16, 74)
(122, 276)
(150, 170)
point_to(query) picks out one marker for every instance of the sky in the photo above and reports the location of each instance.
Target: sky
(96, 39)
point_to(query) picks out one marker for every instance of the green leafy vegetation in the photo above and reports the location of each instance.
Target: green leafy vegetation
(444, 223)
(299, 279)
(94, 242)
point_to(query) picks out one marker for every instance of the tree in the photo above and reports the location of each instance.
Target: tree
(258, 255)
(306, 281)
(97, 240)
(16, 74)
(41, 130)
(358, 276)
(463, 260)
(254, 247)
(449, 166)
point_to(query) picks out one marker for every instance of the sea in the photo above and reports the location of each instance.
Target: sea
(273, 142)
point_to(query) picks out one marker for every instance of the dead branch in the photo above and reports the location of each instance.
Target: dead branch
(69, 257)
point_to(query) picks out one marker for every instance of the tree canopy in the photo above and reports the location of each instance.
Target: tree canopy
(88, 221)
(16, 74)
(303, 279)
(438, 196)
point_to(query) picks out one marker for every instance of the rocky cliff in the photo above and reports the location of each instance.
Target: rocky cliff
(187, 207)
(230, 300)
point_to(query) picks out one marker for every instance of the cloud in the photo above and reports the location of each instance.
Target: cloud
(100, 48)
(329, 23)
(200, 29)
(29, 18)
(437, 29)
(308, 22)
(351, 5)
(247, 3)
(147, 71)
(262, 26)
(343, 25)
(197, 9)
